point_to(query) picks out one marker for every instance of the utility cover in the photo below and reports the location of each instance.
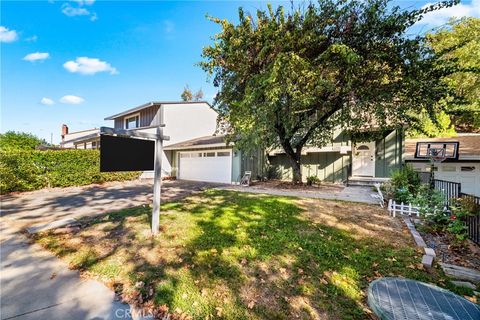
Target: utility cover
(399, 298)
(126, 154)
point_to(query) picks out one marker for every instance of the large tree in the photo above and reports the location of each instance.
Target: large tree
(287, 77)
(461, 40)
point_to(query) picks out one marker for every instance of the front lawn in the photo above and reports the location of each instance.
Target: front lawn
(224, 254)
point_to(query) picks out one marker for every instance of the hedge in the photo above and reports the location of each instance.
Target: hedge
(26, 170)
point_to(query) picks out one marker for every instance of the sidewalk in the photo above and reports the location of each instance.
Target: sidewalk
(37, 285)
(354, 194)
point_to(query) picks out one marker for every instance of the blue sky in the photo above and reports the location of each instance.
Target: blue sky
(77, 62)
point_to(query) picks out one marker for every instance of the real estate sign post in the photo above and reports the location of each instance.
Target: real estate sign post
(132, 150)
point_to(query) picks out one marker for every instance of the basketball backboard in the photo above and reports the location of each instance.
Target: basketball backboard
(426, 149)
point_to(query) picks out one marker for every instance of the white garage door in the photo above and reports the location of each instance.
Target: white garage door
(210, 166)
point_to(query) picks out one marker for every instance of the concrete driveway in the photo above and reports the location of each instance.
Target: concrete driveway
(43, 206)
(34, 283)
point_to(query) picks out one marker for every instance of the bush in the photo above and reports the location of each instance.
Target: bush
(404, 184)
(431, 205)
(312, 180)
(460, 209)
(12, 140)
(26, 170)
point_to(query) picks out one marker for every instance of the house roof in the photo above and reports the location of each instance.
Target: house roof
(86, 138)
(153, 103)
(469, 146)
(199, 143)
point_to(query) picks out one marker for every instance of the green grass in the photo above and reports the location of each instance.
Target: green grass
(242, 256)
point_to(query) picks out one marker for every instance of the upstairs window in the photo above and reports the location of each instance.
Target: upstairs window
(132, 122)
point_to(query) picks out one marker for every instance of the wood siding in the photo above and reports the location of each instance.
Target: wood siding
(148, 117)
(388, 153)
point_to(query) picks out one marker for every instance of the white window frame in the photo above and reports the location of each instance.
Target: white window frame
(125, 121)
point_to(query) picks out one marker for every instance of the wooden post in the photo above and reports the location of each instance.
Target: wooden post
(157, 182)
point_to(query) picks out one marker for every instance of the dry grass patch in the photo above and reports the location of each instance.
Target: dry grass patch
(230, 255)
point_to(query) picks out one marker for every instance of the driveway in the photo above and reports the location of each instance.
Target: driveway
(34, 283)
(43, 206)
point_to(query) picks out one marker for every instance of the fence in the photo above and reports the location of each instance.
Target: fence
(401, 208)
(453, 190)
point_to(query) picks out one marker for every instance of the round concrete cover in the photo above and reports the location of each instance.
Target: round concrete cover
(399, 298)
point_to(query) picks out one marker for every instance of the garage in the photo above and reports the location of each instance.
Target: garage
(209, 166)
(468, 174)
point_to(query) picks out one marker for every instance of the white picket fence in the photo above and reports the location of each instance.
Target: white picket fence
(405, 209)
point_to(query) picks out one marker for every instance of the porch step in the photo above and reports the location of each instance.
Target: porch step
(365, 181)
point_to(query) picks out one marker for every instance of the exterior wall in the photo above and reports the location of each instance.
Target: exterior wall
(148, 117)
(327, 166)
(252, 161)
(388, 153)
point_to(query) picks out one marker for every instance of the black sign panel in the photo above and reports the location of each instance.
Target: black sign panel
(126, 154)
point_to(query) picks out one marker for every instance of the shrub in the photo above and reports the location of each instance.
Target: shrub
(312, 180)
(404, 184)
(12, 140)
(431, 205)
(26, 170)
(460, 209)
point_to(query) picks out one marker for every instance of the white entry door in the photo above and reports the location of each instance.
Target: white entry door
(209, 166)
(363, 159)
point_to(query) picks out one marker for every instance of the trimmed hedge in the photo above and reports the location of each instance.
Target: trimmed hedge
(26, 170)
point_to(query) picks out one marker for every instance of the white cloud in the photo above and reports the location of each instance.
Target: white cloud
(47, 101)
(70, 11)
(7, 35)
(85, 65)
(86, 2)
(69, 99)
(36, 56)
(440, 17)
(31, 39)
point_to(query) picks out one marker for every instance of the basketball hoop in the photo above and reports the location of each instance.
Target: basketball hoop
(436, 155)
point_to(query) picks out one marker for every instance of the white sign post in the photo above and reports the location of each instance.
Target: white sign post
(157, 178)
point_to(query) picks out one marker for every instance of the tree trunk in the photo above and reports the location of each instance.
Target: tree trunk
(295, 160)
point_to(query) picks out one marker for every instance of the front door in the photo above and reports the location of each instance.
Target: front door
(363, 159)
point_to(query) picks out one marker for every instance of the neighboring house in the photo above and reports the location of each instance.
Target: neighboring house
(465, 169)
(342, 160)
(85, 139)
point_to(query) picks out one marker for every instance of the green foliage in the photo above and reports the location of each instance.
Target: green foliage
(426, 127)
(312, 180)
(460, 209)
(404, 184)
(25, 170)
(430, 203)
(187, 94)
(12, 140)
(458, 44)
(286, 78)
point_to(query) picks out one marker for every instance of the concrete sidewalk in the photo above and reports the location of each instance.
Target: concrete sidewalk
(354, 193)
(37, 285)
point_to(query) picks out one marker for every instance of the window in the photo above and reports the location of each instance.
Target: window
(196, 155)
(95, 144)
(223, 154)
(209, 154)
(132, 122)
(467, 169)
(184, 155)
(363, 147)
(446, 168)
